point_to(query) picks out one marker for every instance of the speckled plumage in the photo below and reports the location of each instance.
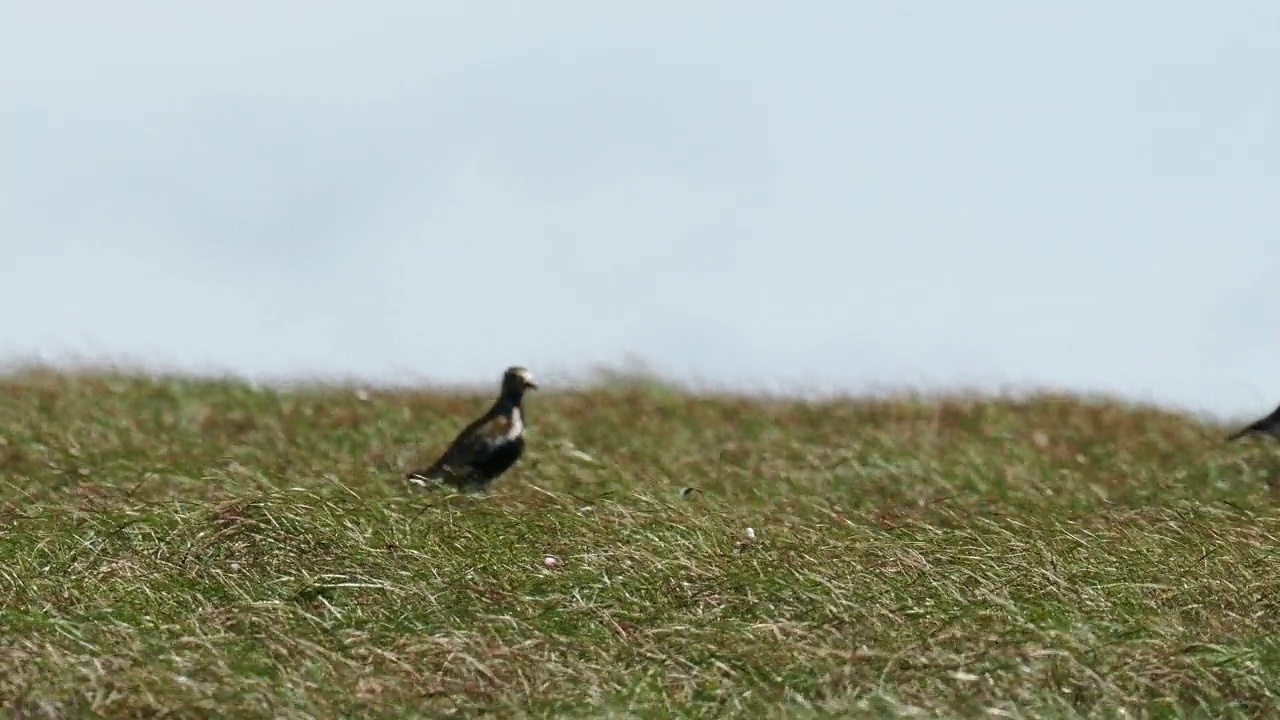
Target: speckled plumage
(487, 447)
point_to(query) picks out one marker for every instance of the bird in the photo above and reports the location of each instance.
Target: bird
(1269, 425)
(487, 447)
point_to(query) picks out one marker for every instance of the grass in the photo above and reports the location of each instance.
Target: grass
(206, 548)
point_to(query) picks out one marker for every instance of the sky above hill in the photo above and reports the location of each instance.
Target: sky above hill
(826, 196)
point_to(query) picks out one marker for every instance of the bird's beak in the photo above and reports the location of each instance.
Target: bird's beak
(531, 385)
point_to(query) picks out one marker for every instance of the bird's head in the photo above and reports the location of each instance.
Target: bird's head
(516, 380)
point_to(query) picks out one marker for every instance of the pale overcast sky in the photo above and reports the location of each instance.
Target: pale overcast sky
(789, 195)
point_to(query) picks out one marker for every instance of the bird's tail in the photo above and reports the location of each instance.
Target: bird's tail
(422, 479)
(1240, 433)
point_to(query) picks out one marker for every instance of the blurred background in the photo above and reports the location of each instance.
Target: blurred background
(787, 197)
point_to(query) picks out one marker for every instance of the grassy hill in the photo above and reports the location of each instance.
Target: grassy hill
(196, 547)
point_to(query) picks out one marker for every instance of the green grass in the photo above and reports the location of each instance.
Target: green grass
(199, 548)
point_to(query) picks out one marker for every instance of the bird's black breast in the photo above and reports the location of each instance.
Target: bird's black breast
(495, 462)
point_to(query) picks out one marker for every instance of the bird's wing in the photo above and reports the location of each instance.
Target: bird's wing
(474, 442)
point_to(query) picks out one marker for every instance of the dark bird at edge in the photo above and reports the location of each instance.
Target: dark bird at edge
(1269, 425)
(489, 446)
